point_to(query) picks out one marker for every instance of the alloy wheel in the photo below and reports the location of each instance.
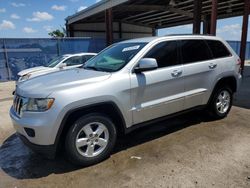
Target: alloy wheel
(92, 139)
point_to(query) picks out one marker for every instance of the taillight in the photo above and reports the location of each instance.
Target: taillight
(239, 61)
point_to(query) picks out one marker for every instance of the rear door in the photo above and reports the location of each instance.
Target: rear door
(158, 92)
(200, 70)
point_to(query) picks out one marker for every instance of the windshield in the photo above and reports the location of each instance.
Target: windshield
(114, 57)
(55, 61)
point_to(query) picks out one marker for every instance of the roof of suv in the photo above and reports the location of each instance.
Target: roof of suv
(150, 39)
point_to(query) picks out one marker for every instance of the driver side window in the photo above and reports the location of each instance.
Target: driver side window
(74, 61)
(166, 54)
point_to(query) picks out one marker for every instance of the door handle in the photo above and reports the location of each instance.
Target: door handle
(212, 66)
(176, 73)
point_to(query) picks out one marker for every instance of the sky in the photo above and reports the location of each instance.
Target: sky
(229, 29)
(35, 18)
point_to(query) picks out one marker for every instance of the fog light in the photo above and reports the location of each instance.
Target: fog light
(30, 132)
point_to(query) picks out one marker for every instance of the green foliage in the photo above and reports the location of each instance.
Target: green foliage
(58, 33)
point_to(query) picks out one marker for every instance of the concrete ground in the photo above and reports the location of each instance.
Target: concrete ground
(187, 151)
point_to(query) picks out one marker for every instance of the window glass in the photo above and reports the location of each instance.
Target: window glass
(166, 53)
(74, 61)
(218, 49)
(55, 61)
(195, 51)
(84, 59)
(87, 57)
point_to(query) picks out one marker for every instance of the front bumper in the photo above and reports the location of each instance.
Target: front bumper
(48, 151)
(42, 123)
(42, 141)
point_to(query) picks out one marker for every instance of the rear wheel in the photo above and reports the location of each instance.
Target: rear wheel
(221, 102)
(90, 139)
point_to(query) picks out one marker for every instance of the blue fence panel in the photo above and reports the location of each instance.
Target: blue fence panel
(73, 45)
(27, 53)
(3, 68)
(96, 45)
(23, 53)
(248, 51)
(235, 45)
(3, 65)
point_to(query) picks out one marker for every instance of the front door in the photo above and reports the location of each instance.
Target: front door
(158, 92)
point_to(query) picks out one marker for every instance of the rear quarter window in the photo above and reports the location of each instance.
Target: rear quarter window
(219, 50)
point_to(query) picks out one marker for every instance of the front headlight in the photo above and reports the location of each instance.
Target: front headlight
(38, 105)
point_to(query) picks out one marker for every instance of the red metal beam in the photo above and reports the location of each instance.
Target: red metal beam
(206, 25)
(109, 26)
(71, 31)
(244, 33)
(154, 32)
(197, 16)
(214, 17)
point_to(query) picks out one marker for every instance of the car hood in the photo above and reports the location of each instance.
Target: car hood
(32, 70)
(44, 85)
(37, 73)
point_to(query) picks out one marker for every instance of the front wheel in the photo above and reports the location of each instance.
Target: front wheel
(221, 102)
(90, 139)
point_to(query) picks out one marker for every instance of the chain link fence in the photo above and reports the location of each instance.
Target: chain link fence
(19, 54)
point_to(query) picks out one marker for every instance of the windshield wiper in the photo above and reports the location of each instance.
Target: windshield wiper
(97, 69)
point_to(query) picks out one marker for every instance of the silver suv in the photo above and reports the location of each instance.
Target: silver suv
(127, 85)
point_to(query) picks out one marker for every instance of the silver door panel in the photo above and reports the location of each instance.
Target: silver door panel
(156, 93)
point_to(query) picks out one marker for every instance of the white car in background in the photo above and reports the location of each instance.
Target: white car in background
(67, 61)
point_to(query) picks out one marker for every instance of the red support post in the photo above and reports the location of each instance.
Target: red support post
(214, 17)
(154, 32)
(109, 26)
(197, 16)
(70, 31)
(244, 33)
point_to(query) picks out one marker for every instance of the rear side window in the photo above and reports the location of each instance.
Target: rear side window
(218, 49)
(195, 51)
(76, 60)
(166, 53)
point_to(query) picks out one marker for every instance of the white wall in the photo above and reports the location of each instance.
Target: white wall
(97, 30)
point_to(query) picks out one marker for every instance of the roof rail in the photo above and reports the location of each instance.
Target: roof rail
(188, 34)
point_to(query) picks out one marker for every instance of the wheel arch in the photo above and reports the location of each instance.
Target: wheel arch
(229, 81)
(109, 109)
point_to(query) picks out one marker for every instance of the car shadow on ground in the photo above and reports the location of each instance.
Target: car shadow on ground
(19, 162)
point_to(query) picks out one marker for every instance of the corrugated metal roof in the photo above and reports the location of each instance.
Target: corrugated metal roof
(94, 9)
(155, 13)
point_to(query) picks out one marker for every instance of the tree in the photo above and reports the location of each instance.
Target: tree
(58, 33)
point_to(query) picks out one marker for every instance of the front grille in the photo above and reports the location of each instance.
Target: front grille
(18, 104)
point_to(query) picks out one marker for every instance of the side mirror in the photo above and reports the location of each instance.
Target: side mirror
(146, 64)
(62, 65)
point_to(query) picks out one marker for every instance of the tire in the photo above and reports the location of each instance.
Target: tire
(90, 139)
(221, 102)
